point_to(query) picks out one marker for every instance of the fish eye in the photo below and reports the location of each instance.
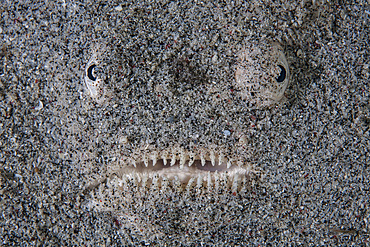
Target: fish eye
(282, 74)
(91, 72)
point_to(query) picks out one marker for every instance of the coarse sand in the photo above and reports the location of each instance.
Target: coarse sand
(312, 148)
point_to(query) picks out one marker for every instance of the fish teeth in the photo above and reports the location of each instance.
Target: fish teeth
(154, 159)
(213, 158)
(217, 181)
(164, 158)
(209, 181)
(220, 159)
(223, 177)
(173, 159)
(164, 182)
(202, 159)
(131, 180)
(199, 181)
(146, 161)
(234, 187)
(195, 179)
(155, 182)
(177, 183)
(191, 159)
(228, 164)
(144, 180)
(182, 160)
(189, 184)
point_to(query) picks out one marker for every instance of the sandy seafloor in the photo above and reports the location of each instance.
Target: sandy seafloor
(313, 148)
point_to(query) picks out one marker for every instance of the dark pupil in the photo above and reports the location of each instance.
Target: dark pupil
(90, 72)
(282, 75)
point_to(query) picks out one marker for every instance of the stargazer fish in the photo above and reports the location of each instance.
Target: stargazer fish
(179, 128)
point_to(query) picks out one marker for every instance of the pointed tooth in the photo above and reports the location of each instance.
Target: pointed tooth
(220, 159)
(134, 163)
(160, 182)
(213, 158)
(189, 185)
(144, 180)
(154, 159)
(234, 187)
(164, 158)
(182, 160)
(203, 161)
(164, 183)
(155, 181)
(134, 180)
(146, 161)
(177, 183)
(191, 159)
(199, 181)
(173, 159)
(223, 179)
(217, 181)
(228, 164)
(209, 181)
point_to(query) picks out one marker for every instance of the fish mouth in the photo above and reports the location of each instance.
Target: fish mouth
(181, 174)
(183, 170)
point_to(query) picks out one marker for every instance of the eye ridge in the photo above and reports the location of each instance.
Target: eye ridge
(282, 75)
(90, 72)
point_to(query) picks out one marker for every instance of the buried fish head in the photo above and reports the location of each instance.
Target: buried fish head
(179, 127)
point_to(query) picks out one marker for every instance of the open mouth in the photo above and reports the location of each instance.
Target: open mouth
(183, 171)
(188, 177)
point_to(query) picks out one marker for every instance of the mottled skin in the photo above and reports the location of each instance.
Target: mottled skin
(189, 132)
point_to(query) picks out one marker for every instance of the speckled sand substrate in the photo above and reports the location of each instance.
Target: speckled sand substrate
(313, 149)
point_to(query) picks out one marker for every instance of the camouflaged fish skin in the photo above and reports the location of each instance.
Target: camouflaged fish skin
(179, 127)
